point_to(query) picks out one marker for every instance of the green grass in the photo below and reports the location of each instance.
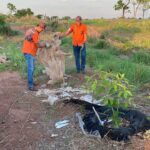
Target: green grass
(97, 22)
(136, 72)
(141, 57)
(108, 58)
(16, 58)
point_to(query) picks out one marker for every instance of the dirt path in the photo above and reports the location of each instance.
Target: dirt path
(27, 124)
(18, 112)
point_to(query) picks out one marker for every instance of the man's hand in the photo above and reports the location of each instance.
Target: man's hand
(82, 46)
(61, 36)
(47, 45)
(41, 44)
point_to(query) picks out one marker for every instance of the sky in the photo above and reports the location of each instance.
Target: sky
(84, 8)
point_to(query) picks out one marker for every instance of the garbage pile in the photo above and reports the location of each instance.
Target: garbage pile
(96, 118)
(96, 121)
(64, 93)
(53, 59)
(3, 59)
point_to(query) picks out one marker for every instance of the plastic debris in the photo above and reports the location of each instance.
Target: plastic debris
(53, 59)
(87, 98)
(92, 123)
(54, 135)
(52, 99)
(3, 59)
(61, 124)
(81, 123)
(33, 123)
(147, 134)
(63, 93)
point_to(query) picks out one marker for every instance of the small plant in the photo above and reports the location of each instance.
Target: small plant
(100, 44)
(113, 89)
(5, 28)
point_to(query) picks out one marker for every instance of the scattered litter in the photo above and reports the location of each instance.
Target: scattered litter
(147, 134)
(64, 84)
(61, 124)
(1, 47)
(43, 92)
(63, 93)
(68, 89)
(3, 59)
(87, 98)
(97, 120)
(54, 135)
(52, 99)
(81, 123)
(44, 71)
(53, 59)
(43, 86)
(33, 123)
(25, 92)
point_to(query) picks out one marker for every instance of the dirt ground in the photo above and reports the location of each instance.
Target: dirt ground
(28, 124)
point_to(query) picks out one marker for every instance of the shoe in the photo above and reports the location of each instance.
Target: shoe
(83, 71)
(35, 84)
(32, 89)
(78, 71)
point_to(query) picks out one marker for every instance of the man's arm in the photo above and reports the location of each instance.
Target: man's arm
(35, 39)
(69, 31)
(85, 34)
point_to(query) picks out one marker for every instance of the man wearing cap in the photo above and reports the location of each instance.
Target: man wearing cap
(30, 47)
(79, 39)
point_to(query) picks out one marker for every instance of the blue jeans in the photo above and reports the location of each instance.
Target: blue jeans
(30, 60)
(80, 57)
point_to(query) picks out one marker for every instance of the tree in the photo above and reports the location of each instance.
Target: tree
(145, 7)
(66, 18)
(24, 12)
(40, 16)
(12, 8)
(136, 5)
(54, 18)
(122, 5)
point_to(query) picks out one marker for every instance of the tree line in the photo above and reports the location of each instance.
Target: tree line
(125, 6)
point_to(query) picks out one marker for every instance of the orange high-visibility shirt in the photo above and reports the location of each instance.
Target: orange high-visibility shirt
(30, 47)
(79, 34)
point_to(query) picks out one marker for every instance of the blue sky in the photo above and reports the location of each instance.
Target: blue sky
(85, 8)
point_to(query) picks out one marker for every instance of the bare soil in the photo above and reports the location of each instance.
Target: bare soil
(28, 124)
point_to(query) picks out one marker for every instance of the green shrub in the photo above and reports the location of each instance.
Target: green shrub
(141, 57)
(5, 28)
(92, 40)
(17, 60)
(101, 44)
(113, 90)
(104, 34)
(126, 29)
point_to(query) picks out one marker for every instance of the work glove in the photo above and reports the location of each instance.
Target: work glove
(61, 36)
(47, 45)
(82, 46)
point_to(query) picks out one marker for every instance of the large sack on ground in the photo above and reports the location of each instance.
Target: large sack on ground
(53, 59)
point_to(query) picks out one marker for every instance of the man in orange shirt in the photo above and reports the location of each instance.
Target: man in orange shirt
(79, 39)
(30, 47)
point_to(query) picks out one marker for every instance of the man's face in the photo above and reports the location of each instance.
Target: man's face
(43, 26)
(78, 20)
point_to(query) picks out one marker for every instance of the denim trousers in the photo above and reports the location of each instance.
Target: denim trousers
(80, 57)
(30, 60)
